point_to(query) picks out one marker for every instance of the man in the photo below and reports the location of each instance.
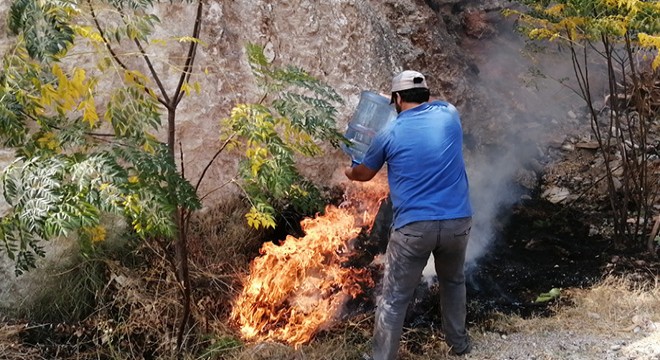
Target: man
(432, 212)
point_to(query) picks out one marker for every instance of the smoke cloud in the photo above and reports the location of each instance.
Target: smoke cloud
(526, 99)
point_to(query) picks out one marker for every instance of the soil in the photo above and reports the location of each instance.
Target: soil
(543, 247)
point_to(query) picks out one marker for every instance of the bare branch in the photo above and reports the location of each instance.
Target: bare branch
(216, 189)
(199, 181)
(183, 169)
(154, 74)
(105, 39)
(190, 59)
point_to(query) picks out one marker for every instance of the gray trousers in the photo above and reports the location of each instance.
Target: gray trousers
(407, 253)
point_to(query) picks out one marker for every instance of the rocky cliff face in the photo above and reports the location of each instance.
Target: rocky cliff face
(353, 45)
(470, 57)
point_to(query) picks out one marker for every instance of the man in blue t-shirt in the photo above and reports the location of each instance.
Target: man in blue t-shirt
(423, 149)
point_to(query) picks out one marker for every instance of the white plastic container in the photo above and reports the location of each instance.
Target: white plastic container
(372, 114)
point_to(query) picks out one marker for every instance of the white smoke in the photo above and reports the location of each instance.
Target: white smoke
(526, 106)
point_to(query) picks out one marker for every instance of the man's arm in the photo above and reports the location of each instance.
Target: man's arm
(360, 173)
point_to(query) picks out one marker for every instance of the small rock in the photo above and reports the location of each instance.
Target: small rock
(615, 347)
(571, 114)
(536, 165)
(591, 145)
(504, 336)
(404, 30)
(556, 194)
(269, 52)
(593, 315)
(555, 143)
(568, 147)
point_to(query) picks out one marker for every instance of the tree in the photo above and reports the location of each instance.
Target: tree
(295, 112)
(75, 163)
(625, 34)
(71, 167)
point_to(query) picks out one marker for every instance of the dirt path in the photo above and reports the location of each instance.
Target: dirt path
(565, 344)
(608, 322)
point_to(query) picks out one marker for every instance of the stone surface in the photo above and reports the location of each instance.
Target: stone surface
(351, 45)
(354, 45)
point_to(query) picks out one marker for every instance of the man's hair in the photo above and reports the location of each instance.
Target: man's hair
(416, 95)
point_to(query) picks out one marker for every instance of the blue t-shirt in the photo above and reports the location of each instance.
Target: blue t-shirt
(423, 149)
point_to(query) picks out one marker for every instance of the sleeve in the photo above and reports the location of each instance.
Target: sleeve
(374, 158)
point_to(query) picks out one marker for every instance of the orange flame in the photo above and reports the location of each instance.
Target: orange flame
(299, 287)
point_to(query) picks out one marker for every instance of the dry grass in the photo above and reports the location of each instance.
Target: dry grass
(10, 344)
(616, 304)
(220, 237)
(617, 313)
(139, 309)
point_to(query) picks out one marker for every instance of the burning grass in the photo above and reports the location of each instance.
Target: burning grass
(300, 286)
(605, 312)
(138, 308)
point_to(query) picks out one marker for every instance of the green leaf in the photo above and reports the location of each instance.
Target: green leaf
(297, 114)
(554, 293)
(44, 26)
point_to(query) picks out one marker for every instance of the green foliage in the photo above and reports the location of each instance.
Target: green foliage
(135, 27)
(131, 4)
(220, 346)
(295, 114)
(73, 165)
(554, 293)
(133, 114)
(58, 195)
(579, 20)
(43, 26)
(625, 36)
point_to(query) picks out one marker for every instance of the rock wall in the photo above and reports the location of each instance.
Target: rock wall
(468, 52)
(353, 45)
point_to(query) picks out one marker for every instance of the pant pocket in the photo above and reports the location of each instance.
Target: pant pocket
(463, 229)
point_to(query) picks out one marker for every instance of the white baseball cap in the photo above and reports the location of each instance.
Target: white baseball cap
(408, 80)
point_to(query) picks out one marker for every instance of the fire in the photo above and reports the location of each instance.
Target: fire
(297, 288)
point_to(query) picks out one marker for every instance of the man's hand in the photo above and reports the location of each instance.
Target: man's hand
(360, 173)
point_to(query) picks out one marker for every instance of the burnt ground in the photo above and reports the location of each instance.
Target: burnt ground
(542, 246)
